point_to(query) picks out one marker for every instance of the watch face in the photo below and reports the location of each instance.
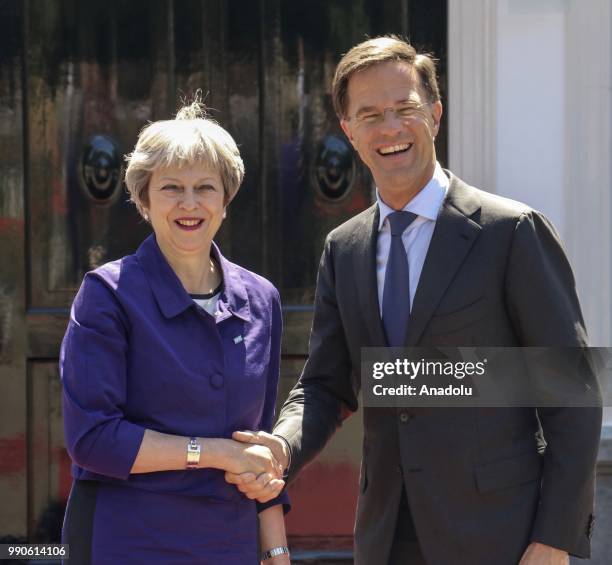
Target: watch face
(194, 446)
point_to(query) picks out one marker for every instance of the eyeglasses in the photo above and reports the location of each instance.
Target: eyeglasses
(403, 112)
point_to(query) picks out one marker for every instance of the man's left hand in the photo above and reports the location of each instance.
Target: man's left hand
(540, 554)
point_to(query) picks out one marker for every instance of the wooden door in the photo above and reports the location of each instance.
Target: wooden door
(78, 80)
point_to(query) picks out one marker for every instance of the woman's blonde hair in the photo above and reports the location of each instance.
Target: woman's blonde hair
(191, 138)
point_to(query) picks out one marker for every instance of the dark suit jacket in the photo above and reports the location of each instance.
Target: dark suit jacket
(479, 491)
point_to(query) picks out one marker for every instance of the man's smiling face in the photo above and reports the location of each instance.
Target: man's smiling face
(392, 126)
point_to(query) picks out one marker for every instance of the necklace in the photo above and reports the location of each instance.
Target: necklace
(214, 275)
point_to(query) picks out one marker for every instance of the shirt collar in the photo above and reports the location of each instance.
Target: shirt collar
(426, 203)
(170, 294)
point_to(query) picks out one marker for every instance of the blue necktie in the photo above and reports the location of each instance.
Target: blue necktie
(396, 293)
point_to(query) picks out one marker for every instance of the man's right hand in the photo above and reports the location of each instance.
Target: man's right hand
(263, 486)
(256, 459)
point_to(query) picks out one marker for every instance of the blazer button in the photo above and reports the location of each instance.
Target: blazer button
(404, 417)
(217, 381)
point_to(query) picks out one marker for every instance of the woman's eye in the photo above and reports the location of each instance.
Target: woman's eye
(170, 187)
(205, 188)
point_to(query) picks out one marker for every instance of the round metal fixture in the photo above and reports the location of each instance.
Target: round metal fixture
(101, 169)
(335, 169)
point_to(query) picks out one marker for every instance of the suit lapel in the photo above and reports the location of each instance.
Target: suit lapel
(453, 237)
(364, 259)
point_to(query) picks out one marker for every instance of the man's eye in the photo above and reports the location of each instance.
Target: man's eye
(407, 111)
(370, 118)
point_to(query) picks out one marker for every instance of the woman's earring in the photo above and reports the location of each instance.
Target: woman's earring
(224, 213)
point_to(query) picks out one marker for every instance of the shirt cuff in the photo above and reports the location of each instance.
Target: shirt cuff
(286, 471)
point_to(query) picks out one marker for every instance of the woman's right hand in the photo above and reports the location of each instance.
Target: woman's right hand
(250, 458)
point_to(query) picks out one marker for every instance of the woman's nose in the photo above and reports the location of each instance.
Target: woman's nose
(188, 201)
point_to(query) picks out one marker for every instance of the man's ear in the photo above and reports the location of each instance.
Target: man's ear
(347, 131)
(436, 114)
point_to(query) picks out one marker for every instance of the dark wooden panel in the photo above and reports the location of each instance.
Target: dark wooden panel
(45, 331)
(13, 486)
(93, 69)
(312, 39)
(48, 462)
(240, 115)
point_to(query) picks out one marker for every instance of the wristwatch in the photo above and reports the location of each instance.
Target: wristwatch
(194, 449)
(274, 552)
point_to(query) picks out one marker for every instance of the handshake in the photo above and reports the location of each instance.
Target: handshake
(258, 463)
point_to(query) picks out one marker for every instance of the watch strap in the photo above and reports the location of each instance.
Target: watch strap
(274, 552)
(194, 450)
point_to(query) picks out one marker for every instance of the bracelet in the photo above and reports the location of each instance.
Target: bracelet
(274, 552)
(194, 449)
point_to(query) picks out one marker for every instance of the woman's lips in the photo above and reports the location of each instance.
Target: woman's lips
(189, 224)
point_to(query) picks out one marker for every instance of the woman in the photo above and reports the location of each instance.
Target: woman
(168, 351)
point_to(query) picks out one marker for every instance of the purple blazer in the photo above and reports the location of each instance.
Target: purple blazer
(139, 353)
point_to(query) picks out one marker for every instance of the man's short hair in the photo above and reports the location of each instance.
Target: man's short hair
(381, 50)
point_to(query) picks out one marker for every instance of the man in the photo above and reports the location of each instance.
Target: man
(438, 485)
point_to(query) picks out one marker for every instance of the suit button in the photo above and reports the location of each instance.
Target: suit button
(217, 381)
(404, 417)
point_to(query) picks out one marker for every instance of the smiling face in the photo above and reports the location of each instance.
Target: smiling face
(392, 126)
(185, 208)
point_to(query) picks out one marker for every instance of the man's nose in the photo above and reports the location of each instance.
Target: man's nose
(391, 121)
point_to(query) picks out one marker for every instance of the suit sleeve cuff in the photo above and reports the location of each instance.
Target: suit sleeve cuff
(282, 498)
(577, 545)
(116, 449)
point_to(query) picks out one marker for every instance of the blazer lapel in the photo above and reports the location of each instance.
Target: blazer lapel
(364, 259)
(453, 237)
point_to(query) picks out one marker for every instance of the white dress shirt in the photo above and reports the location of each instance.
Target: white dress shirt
(426, 205)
